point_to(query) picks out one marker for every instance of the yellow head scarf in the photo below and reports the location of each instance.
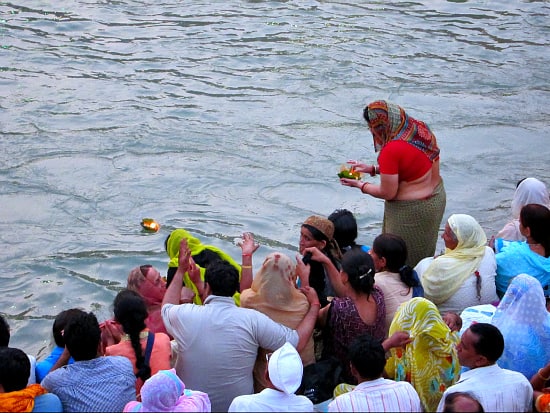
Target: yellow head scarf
(430, 362)
(196, 247)
(446, 273)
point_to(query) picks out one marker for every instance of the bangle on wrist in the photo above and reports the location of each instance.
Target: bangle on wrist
(539, 373)
(319, 304)
(247, 255)
(246, 266)
(373, 170)
(363, 187)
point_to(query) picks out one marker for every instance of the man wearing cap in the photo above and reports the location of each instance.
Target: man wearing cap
(218, 342)
(283, 375)
(374, 393)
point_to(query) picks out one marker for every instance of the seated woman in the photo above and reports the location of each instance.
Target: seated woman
(524, 322)
(465, 275)
(359, 311)
(165, 392)
(345, 230)
(398, 281)
(318, 232)
(149, 352)
(528, 191)
(430, 361)
(530, 257)
(274, 293)
(203, 254)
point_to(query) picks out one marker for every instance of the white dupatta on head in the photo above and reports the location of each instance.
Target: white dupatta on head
(446, 273)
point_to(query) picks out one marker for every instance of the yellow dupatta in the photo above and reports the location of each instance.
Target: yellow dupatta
(446, 273)
(430, 362)
(196, 247)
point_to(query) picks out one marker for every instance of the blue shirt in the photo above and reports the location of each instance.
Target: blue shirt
(43, 367)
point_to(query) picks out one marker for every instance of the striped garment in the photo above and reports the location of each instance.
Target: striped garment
(380, 395)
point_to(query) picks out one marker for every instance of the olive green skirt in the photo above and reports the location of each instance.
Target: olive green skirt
(417, 222)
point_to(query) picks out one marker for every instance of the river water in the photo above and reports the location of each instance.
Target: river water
(224, 117)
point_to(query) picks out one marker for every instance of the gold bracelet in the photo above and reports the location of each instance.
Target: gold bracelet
(539, 373)
(246, 266)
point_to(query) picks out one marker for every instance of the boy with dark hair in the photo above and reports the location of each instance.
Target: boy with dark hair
(374, 393)
(91, 383)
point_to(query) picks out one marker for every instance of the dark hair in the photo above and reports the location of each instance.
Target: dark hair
(366, 113)
(15, 368)
(450, 400)
(537, 218)
(4, 332)
(60, 323)
(367, 356)
(82, 336)
(222, 278)
(489, 343)
(359, 267)
(394, 249)
(131, 312)
(345, 228)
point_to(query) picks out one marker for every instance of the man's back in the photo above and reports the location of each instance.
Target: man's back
(380, 395)
(218, 344)
(103, 384)
(497, 389)
(270, 400)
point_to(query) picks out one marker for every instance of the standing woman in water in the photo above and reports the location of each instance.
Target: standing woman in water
(410, 184)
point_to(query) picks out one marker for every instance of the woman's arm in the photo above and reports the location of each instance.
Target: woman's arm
(539, 379)
(332, 272)
(248, 247)
(387, 189)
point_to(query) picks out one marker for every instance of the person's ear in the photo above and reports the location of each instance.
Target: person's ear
(383, 262)
(207, 289)
(344, 277)
(354, 372)
(481, 361)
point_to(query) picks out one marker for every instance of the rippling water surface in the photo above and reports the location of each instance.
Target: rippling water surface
(224, 117)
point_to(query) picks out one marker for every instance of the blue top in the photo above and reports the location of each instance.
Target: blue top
(517, 258)
(48, 402)
(43, 367)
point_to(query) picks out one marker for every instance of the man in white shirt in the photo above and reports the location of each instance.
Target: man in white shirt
(497, 389)
(218, 342)
(374, 393)
(284, 375)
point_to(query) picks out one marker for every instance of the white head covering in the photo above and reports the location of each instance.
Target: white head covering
(446, 274)
(286, 369)
(529, 191)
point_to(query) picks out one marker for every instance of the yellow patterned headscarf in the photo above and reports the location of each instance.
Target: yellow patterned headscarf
(196, 247)
(430, 362)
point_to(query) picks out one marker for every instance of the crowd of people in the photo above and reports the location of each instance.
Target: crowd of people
(340, 327)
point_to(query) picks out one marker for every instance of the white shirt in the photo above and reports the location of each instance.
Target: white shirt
(380, 395)
(497, 389)
(218, 343)
(466, 295)
(270, 400)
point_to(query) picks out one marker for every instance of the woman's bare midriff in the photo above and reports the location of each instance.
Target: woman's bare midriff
(420, 188)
